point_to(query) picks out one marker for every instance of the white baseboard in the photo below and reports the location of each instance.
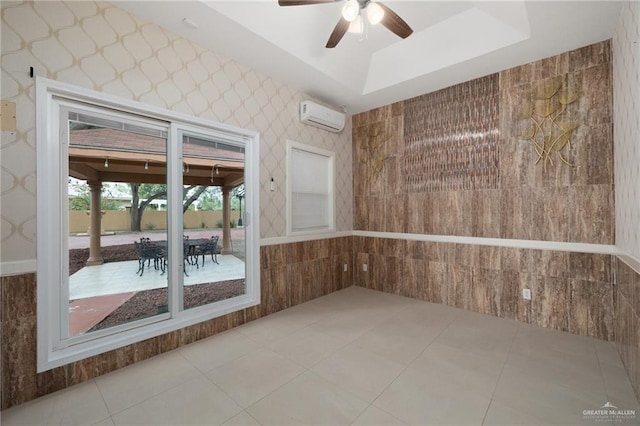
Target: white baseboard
(18, 267)
(299, 238)
(30, 265)
(499, 242)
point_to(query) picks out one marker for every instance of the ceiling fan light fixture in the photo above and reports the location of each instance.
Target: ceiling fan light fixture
(374, 13)
(351, 10)
(354, 11)
(357, 25)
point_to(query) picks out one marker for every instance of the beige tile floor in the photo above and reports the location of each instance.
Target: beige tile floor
(356, 357)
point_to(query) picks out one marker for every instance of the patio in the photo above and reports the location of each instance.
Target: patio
(97, 291)
(120, 277)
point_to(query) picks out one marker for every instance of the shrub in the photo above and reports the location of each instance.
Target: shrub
(232, 223)
(219, 224)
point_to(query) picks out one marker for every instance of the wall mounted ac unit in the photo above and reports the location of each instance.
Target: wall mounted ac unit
(314, 114)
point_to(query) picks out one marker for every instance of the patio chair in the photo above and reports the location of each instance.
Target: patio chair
(210, 247)
(146, 253)
(189, 251)
(146, 243)
(186, 253)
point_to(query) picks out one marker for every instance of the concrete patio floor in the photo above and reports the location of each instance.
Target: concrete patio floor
(121, 277)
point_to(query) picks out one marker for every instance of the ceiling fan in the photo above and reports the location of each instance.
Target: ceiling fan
(353, 13)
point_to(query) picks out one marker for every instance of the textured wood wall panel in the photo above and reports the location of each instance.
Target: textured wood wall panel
(627, 317)
(570, 291)
(451, 138)
(453, 162)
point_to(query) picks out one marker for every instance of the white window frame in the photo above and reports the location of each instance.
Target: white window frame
(330, 156)
(54, 349)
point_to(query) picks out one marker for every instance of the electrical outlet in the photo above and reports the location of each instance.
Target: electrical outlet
(526, 294)
(345, 267)
(364, 267)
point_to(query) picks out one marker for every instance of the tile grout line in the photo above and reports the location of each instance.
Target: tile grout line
(407, 367)
(396, 378)
(104, 401)
(242, 409)
(504, 364)
(261, 347)
(180, 349)
(604, 383)
(209, 379)
(155, 394)
(304, 370)
(322, 378)
(248, 414)
(309, 369)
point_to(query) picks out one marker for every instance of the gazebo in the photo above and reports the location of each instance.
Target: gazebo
(99, 155)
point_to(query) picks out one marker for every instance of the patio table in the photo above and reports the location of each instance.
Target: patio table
(191, 244)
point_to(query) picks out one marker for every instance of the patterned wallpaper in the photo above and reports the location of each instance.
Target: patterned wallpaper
(99, 46)
(626, 108)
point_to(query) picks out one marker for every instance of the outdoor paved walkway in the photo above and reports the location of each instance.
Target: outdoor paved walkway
(82, 241)
(85, 313)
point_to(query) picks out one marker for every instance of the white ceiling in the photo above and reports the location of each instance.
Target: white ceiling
(453, 41)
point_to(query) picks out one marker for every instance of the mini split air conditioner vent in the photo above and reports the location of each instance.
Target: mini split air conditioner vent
(320, 116)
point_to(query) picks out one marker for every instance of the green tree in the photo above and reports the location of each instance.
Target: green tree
(190, 194)
(82, 201)
(150, 192)
(211, 198)
(142, 194)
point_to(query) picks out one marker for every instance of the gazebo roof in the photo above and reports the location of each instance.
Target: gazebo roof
(110, 155)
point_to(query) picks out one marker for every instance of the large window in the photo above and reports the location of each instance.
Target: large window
(310, 189)
(144, 222)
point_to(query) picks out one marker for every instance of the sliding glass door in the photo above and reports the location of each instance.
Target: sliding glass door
(213, 233)
(117, 220)
(144, 222)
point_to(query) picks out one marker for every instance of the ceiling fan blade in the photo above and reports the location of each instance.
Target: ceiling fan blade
(395, 23)
(302, 2)
(337, 34)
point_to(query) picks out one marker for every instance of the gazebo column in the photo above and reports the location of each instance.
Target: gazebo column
(226, 217)
(95, 216)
